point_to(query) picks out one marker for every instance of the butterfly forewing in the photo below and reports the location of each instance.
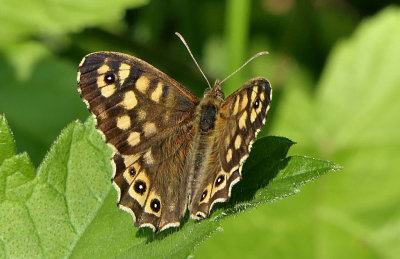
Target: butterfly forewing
(146, 117)
(134, 103)
(244, 113)
(240, 118)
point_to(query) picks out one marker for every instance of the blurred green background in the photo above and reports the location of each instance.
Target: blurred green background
(334, 67)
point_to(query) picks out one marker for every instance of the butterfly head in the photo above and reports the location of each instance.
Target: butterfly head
(215, 92)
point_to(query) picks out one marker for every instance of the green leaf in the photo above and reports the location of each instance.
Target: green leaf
(27, 103)
(7, 145)
(15, 172)
(68, 209)
(33, 28)
(55, 18)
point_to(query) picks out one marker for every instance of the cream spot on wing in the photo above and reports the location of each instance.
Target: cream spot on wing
(228, 155)
(141, 115)
(233, 170)
(136, 166)
(149, 129)
(262, 96)
(242, 120)
(128, 176)
(198, 215)
(141, 178)
(245, 100)
(148, 157)
(232, 184)
(100, 81)
(243, 159)
(103, 69)
(148, 209)
(236, 107)
(134, 138)
(227, 141)
(221, 185)
(78, 76)
(82, 61)
(172, 224)
(148, 225)
(142, 84)
(254, 94)
(129, 102)
(129, 160)
(155, 96)
(233, 131)
(258, 110)
(253, 116)
(124, 122)
(108, 90)
(123, 72)
(103, 115)
(238, 141)
(206, 198)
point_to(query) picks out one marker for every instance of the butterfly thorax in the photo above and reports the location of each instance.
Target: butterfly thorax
(208, 107)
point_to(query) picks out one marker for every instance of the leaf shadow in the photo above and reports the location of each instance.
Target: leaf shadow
(268, 157)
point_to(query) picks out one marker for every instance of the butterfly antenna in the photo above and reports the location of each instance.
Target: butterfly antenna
(188, 49)
(247, 62)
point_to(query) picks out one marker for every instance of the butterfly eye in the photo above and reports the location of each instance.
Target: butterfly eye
(140, 187)
(155, 205)
(203, 196)
(109, 77)
(219, 180)
(256, 103)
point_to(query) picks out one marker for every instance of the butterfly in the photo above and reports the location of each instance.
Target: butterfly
(172, 151)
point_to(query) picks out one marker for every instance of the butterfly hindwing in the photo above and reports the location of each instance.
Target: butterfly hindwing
(240, 118)
(145, 116)
(152, 183)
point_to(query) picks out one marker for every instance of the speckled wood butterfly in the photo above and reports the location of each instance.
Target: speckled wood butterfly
(172, 151)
